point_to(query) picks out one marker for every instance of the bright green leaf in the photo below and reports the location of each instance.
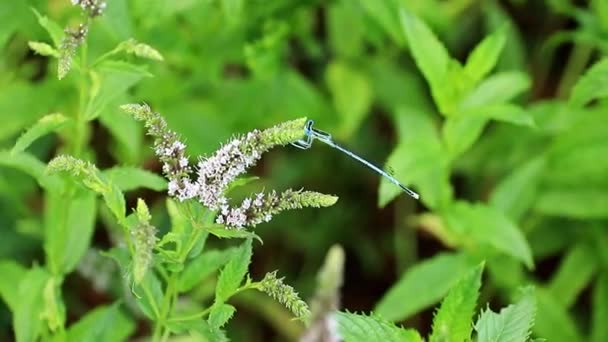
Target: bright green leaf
(553, 321)
(516, 193)
(413, 291)
(430, 54)
(32, 166)
(496, 89)
(129, 178)
(578, 203)
(54, 30)
(26, 315)
(511, 324)
(352, 95)
(54, 308)
(104, 323)
(452, 322)
(485, 55)
(599, 329)
(203, 266)
(234, 272)
(43, 49)
(116, 78)
(573, 275)
(151, 296)
(479, 224)
(385, 14)
(418, 160)
(9, 290)
(220, 314)
(46, 124)
(592, 85)
(354, 328)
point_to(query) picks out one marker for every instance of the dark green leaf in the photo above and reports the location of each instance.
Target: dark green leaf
(354, 328)
(203, 266)
(234, 272)
(9, 290)
(412, 293)
(599, 329)
(129, 178)
(573, 275)
(104, 323)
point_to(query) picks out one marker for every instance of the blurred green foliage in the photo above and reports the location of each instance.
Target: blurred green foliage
(494, 111)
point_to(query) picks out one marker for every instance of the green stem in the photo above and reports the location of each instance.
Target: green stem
(576, 64)
(80, 125)
(168, 300)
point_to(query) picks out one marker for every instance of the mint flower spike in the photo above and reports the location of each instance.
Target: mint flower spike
(262, 207)
(284, 294)
(169, 149)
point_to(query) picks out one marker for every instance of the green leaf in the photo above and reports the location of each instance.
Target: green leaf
(151, 296)
(512, 324)
(429, 53)
(234, 272)
(496, 89)
(116, 78)
(479, 224)
(203, 266)
(485, 55)
(573, 202)
(221, 232)
(69, 222)
(32, 166)
(516, 193)
(43, 49)
(54, 308)
(351, 93)
(599, 329)
(9, 290)
(26, 315)
(452, 321)
(412, 293)
(575, 272)
(592, 85)
(127, 145)
(206, 333)
(54, 30)
(385, 14)
(460, 133)
(505, 112)
(46, 124)
(129, 178)
(419, 160)
(354, 328)
(104, 323)
(220, 314)
(552, 320)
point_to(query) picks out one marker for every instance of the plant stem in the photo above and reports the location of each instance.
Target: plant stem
(80, 125)
(576, 64)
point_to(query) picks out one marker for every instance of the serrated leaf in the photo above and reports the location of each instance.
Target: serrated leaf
(354, 328)
(573, 275)
(47, 124)
(412, 293)
(419, 160)
(485, 55)
(599, 329)
(129, 178)
(104, 323)
(26, 315)
(222, 232)
(43, 49)
(9, 290)
(480, 224)
(429, 53)
(511, 324)
(577, 203)
(516, 193)
(452, 321)
(553, 321)
(234, 272)
(206, 333)
(69, 222)
(351, 93)
(203, 266)
(592, 85)
(53, 29)
(116, 78)
(220, 314)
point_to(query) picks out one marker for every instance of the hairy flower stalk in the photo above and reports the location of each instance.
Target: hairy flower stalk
(144, 239)
(284, 294)
(93, 8)
(217, 172)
